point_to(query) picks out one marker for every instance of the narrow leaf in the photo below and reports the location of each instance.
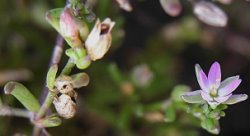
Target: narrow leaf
(23, 95)
(51, 76)
(53, 17)
(50, 121)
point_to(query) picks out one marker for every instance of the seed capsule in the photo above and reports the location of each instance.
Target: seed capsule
(65, 106)
(99, 39)
(64, 84)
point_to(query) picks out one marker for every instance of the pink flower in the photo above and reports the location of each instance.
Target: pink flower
(213, 91)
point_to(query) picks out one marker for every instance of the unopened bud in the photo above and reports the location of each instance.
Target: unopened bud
(65, 106)
(67, 24)
(71, 28)
(125, 5)
(99, 39)
(210, 14)
(171, 7)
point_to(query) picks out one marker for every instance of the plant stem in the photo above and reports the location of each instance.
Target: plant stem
(68, 67)
(9, 111)
(48, 101)
(46, 94)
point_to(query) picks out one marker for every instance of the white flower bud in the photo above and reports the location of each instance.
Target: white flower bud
(210, 14)
(64, 84)
(99, 39)
(65, 106)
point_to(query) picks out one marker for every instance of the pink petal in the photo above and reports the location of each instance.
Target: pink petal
(221, 99)
(214, 75)
(229, 85)
(206, 96)
(202, 78)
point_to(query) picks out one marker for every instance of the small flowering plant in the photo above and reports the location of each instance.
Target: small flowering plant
(213, 91)
(214, 96)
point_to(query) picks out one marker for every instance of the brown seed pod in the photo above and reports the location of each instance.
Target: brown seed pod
(64, 84)
(65, 106)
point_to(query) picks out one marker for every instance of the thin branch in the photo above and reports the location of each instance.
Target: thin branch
(9, 111)
(56, 57)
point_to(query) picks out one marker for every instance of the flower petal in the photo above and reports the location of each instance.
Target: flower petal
(192, 97)
(221, 99)
(214, 75)
(236, 99)
(229, 85)
(202, 78)
(206, 96)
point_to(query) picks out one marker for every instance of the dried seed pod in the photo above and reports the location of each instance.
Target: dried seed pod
(210, 14)
(64, 84)
(65, 106)
(73, 95)
(99, 39)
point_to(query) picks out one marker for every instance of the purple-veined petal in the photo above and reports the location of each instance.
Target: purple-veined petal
(202, 78)
(192, 97)
(214, 75)
(221, 99)
(229, 85)
(236, 99)
(206, 96)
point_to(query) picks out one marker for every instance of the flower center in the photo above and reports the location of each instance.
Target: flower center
(213, 92)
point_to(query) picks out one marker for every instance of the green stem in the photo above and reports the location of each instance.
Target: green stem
(48, 101)
(68, 67)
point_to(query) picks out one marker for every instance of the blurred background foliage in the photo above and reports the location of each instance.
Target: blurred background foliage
(152, 55)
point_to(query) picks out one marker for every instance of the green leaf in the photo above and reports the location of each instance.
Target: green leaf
(170, 114)
(51, 76)
(178, 91)
(53, 17)
(80, 80)
(79, 57)
(23, 95)
(211, 125)
(50, 121)
(83, 63)
(115, 73)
